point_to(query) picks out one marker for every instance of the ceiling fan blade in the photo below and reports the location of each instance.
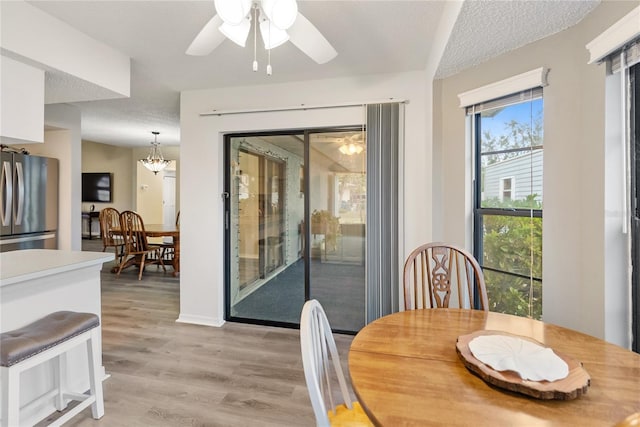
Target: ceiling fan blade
(207, 39)
(308, 39)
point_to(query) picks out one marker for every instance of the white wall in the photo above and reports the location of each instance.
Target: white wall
(58, 46)
(116, 160)
(22, 104)
(575, 286)
(435, 186)
(202, 232)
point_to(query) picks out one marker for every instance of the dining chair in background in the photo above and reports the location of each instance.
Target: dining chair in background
(109, 219)
(318, 346)
(168, 246)
(434, 273)
(137, 249)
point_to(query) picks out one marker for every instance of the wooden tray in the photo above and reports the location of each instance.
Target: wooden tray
(574, 385)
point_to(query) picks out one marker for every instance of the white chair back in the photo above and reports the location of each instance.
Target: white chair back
(317, 345)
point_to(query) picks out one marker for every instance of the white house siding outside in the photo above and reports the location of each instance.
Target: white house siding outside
(525, 172)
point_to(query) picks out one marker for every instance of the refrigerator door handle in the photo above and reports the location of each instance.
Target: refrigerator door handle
(20, 204)
(6, 182)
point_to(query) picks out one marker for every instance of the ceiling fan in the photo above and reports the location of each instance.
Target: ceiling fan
(278, 20)
(348, 143)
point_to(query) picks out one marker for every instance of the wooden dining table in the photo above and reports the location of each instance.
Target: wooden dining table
(405, 371)
(165, 230)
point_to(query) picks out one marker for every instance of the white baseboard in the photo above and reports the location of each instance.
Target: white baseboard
(200, 320)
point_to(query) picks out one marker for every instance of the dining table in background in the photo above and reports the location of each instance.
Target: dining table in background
(405, 371)
(167, 230)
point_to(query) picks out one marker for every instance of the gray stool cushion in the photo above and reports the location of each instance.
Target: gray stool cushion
(36, 337)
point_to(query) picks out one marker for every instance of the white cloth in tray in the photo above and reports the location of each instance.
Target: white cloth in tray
(507, 353)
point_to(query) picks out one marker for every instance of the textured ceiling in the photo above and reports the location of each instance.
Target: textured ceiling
(488, 28)
(371, 36)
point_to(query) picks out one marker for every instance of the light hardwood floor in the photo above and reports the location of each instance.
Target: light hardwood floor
(165, 373)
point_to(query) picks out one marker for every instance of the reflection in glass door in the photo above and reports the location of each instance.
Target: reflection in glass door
(260, 220)
(266, 209)
(337, 199)
(296, 229)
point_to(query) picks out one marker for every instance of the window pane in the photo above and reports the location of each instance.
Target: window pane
(512, 244)
(514, 126)
(519, 177)
(509, 174)
(511, 152)
(338, 195)
(514, 295)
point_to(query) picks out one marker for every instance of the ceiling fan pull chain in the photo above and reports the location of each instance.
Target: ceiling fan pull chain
(255, 37)
(269, 70)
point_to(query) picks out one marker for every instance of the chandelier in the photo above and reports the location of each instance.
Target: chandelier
(274, 17)
(154, 161)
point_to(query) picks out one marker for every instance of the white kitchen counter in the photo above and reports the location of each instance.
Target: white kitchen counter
(29, 264)
(37, 282)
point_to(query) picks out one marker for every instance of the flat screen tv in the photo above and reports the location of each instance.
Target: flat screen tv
(97, 187)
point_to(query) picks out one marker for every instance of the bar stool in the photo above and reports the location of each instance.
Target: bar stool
(47, 338)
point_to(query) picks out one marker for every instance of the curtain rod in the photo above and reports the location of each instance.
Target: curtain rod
(301, 107)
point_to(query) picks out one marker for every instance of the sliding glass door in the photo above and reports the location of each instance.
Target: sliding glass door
(295, 228)
(337, 199)
(265, 279)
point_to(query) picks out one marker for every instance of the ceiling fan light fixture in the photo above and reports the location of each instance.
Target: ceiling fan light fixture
(282, 13)
(233, 11)
(237, 33)
(284, 23)
(154, 161)
(351, 149)
(272, 36)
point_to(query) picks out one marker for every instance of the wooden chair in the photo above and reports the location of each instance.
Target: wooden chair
(136, 246)
(109, 219)
(317, 346)
(168, 247)
(632, 420)
(434, 272)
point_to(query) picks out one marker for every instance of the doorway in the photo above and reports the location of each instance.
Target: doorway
(295, 229)
(169, 197)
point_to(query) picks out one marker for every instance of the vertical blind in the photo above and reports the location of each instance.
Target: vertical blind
(384, 133)
(625, 61)
(516, 98)
(631, 52)
(620, 61)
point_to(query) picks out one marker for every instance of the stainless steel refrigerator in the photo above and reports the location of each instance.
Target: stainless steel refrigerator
(29, 202)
